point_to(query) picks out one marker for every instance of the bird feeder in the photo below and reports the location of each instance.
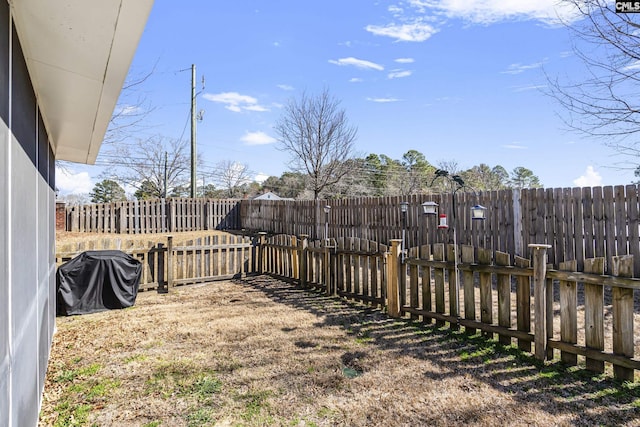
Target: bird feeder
(430, 208)
(442, 223)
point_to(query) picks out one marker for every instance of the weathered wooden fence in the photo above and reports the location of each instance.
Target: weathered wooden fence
(167, 263)
(583, 314)
(580, 312)
(154, 216)
(350, 267)
(578, 223)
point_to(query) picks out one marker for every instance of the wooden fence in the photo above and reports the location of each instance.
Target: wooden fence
(349, 267)
(584, 314)
(581, 313)
(167, 263)
(578, 223)
(154, 216)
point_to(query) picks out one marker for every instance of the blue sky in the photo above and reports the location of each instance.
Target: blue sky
(459, 81)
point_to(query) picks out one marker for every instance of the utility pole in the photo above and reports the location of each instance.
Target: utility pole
(193, 131)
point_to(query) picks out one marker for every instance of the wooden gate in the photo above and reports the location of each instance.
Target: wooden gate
(169, 261)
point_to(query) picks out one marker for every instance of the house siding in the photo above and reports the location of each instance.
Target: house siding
(27, 237)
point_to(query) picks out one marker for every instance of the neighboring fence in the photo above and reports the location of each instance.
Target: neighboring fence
(579, 313)
(578, 223)
(169, 263)
(154, 216)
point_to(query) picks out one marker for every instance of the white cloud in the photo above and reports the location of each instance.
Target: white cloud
(418, 20)
(383, 100)
(405, 60)
(515, 146)
(521, 68)
(235, 102)
(359, 63)
(491, 11)
(397, 74)
(632, 66)
(286, 87)
(69, 182)
(261, 177)
(355, 80)
(256, 107)
(395, 10)
(257, 138)
(409, 32)
(528, 87)
(591, 178)
(126, 110)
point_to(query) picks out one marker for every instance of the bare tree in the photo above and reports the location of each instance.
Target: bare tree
(319, 138)
(231, 176)
(131, 110)
(127, 118)
(143, 165)
(605, 103)
(76, 199)
(445, 185)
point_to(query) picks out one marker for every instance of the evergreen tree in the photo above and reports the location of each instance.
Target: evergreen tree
(107, 191)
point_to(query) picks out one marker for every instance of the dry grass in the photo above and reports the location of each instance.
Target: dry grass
(260, 351)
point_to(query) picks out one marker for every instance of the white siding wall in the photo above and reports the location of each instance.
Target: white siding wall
(27, 239)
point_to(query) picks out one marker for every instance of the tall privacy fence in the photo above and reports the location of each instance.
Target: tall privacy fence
(578, 223)
(154, 216)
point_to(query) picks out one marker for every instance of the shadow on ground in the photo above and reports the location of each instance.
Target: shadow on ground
(554, 387)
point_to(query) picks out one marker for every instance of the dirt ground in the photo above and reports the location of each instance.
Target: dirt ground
(259, 351)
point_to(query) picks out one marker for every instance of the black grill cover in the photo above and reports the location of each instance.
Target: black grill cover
(96, 281)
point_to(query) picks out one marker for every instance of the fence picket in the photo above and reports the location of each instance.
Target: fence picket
(486, 294)
(594, 313)
(623, 337)
(504, 296)
(569, 313)
(468, 257)
(413, 283)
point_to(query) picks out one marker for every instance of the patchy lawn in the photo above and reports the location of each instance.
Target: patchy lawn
(260, 351)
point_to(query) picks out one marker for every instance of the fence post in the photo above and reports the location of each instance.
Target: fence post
(540, 291)
(327, 268)
(261, 252)
(303, 244)
(393, 258)
(295, 263)
(162, 288)
(169, 262)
